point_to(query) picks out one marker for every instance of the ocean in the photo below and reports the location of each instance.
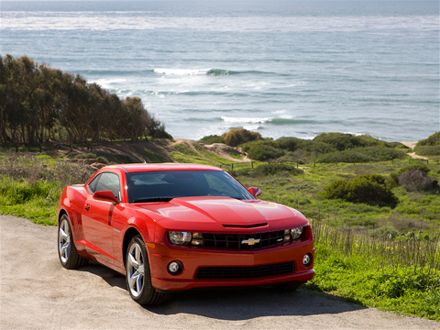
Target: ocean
(282, 68)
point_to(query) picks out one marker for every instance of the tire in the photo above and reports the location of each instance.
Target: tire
(67, 252)
(138, 276)
(288, 287)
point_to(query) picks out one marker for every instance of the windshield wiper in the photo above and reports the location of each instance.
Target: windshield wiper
(153, 199)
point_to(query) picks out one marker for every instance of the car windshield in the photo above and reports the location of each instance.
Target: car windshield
(166, 185)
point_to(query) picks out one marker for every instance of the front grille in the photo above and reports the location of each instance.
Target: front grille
(244, 272)
(243, 241)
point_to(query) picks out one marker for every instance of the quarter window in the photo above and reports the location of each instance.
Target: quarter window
(109, 181)
(93, 183)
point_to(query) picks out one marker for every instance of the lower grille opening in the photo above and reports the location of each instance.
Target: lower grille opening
(244, 271)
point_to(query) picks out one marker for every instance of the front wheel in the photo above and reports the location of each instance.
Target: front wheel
(138, 275)
(67, 253)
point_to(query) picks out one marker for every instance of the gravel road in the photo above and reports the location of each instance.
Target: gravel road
(36, 292)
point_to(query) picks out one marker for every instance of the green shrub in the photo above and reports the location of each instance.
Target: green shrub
(343, 141)
(290, 143)
(368, 189)
(210, 139)
(347, 156)
(432, 140)
(237, 136)
(262, 150)
(428, 150)
(362, 155)
(275, 168)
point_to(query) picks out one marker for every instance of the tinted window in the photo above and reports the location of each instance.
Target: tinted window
(146, 186)
(109, 181)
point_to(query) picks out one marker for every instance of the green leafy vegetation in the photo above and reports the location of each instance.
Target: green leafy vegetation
(429, 146)
(237, 136)
(368, 189)
(396, 275)
(39, 104)
(325, 148)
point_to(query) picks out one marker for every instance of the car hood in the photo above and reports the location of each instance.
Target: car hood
(208, 213)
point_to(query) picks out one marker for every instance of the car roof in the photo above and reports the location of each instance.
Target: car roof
(157, 167)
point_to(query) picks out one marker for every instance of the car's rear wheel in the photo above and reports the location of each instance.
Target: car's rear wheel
(67, 253)
(138, 275)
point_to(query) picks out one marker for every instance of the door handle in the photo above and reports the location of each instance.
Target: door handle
(87, 207)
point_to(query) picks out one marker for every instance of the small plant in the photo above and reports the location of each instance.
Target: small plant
(368, 189)
(210, 139)
(262, 150)
(275, 168)
(237, 136)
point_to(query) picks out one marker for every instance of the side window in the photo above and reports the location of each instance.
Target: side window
(109, 181)
(93, 183)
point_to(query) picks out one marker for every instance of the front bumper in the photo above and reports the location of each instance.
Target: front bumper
(160, 255)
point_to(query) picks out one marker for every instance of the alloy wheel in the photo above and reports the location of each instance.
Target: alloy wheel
(64, 243)
(135, 269)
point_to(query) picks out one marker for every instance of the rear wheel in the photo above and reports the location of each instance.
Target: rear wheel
(67, 253)
(138, 275)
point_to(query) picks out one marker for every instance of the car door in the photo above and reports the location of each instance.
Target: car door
(97, 216)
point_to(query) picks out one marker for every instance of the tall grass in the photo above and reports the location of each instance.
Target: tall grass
(401, 275)
(411, 250)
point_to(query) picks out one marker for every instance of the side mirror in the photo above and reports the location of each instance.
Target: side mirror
(107, 195)
(254, 191)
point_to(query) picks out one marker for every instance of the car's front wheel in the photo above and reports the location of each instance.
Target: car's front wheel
(138, 275)
(67, 253)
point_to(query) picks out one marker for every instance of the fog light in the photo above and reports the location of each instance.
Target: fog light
(175, 267)
(286, 235)
(307, 259)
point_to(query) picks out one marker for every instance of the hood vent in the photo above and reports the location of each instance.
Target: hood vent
(246, 226)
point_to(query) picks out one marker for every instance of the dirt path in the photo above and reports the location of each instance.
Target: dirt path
(36, 292)
(412, 154)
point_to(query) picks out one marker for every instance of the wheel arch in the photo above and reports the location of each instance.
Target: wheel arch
(62, 212)
(128, 235)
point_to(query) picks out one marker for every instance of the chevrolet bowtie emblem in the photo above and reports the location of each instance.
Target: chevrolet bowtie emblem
(250, 241)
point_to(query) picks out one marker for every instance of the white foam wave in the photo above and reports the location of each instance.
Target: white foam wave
(245, 120)
(21, 20)
(108, 82)
(180, 72)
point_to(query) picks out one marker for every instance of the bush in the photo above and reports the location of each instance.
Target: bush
(290, 143)
(237, 136)
(361, 155)
(262, 150)
(429, 146)
(432, 140)
(275, 168)
(368, 189)
(347, 156)
(417, 180)
(210, 139)
(343, 141)
(428, 150)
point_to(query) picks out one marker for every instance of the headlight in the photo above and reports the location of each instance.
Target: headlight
(179, 237)
(296, 232)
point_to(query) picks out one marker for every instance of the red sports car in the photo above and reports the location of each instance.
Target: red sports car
(170, 227)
